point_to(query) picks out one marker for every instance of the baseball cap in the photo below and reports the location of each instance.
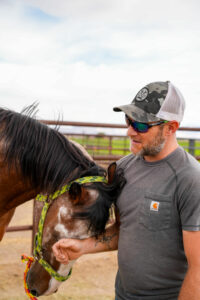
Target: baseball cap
(156, 101)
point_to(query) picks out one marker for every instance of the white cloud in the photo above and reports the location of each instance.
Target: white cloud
(116, 11)
(96, 54)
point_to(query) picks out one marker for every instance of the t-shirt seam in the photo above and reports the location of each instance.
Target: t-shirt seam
(176, 178)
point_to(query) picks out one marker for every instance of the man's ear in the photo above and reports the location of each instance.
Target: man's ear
(78, 194)
(172, 127)
(111, 172)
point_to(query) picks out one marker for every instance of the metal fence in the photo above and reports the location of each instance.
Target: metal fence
(106, 148)
(93, 141)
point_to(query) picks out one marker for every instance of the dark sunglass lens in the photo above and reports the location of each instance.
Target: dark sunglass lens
(137, 126)
(141, 127)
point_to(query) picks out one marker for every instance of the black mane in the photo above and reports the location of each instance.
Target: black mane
(43, 155)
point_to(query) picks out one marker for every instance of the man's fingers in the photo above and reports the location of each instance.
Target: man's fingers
(64, 260)
(56, 249)
(60, 255)
(60, 252)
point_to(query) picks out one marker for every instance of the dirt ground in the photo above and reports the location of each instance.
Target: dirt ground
(92, 276)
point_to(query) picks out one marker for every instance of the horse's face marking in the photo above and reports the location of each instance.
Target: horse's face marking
(66, 226)
(47, 235)
(62, 230)
(62, 213)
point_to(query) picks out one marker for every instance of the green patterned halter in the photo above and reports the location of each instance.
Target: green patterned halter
(37, 252)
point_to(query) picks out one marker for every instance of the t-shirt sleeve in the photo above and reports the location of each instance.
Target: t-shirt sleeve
(189, 200)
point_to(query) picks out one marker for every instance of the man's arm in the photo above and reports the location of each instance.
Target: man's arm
(70, 249)
(191, 284)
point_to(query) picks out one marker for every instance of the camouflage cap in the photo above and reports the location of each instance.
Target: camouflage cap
(147, 104)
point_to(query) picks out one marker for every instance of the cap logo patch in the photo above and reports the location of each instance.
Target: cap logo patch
(142, 94)
(154, 205)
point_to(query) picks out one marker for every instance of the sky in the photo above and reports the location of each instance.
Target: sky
(78, 59)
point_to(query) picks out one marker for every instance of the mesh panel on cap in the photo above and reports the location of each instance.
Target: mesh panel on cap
(174, 105)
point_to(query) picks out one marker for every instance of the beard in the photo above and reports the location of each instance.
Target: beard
(153, 148)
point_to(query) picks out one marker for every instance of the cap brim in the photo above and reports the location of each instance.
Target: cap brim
(116, 109)
(136, 113)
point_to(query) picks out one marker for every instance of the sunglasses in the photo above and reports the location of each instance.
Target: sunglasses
(141, 127)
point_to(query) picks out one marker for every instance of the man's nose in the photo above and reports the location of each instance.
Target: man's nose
(131, 131)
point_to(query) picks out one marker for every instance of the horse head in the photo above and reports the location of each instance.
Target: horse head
(80, 212)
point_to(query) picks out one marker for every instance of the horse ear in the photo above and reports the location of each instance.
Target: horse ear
(77, 194)
(111, 172)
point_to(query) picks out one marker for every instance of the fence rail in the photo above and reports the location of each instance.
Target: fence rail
(19, 228)
(96, 149)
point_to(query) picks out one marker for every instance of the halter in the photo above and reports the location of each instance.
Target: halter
(37, 251)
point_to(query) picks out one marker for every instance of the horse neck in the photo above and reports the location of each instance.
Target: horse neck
(14, 190)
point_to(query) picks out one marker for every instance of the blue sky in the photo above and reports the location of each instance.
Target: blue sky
(37, 15)
(81, 58)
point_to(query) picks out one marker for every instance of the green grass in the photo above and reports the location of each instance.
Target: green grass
(120, 146)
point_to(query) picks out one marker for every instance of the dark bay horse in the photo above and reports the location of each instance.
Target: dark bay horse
(37, 159)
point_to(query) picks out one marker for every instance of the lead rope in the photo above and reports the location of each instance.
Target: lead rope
(29, 261)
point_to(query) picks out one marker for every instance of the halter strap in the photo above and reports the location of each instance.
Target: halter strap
(66, 187)
(37, 251)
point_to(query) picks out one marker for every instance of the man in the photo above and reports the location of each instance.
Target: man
(157, 232)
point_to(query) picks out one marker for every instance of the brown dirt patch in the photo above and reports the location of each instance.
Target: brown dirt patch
(92, 278)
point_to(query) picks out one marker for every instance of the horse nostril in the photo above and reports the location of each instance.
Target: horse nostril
(34, 293)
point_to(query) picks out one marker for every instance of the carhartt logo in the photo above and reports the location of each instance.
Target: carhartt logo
(154, 205)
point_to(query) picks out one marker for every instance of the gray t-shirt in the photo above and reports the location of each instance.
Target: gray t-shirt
(159, 200)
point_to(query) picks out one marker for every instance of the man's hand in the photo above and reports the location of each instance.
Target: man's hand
(71, 249)
(67, 249)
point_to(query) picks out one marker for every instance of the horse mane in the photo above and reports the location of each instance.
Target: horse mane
(41, 154)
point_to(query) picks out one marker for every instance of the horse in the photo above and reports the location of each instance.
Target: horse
(35, 158)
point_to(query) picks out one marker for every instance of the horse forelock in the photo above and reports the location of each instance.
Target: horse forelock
(43, 155)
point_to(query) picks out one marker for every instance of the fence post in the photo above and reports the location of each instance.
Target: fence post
(191, 146)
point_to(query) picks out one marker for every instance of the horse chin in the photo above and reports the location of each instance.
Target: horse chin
(53, 283)
(53, 287)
